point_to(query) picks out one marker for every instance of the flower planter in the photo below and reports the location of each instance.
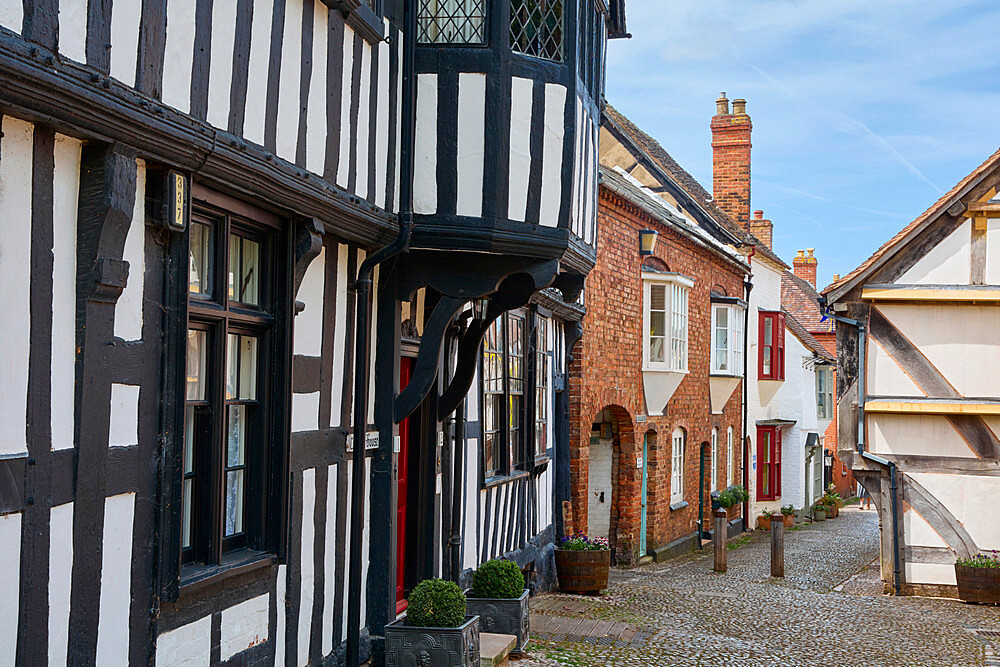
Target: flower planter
(764, 522)
(978, 584)
(501, 616)
(832, 511)
(819, 514)
(788, 520)
(583, 571)
(408, 645)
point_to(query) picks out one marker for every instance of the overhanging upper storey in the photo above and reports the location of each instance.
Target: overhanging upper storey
(507, 116)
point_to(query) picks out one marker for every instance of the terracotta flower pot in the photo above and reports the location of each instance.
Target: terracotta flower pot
(833, 511)
(788, 519)
(583, 572)
(764, 522)
(978, 584)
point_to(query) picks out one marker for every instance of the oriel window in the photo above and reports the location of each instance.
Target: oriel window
(536, 28)
(542, 383)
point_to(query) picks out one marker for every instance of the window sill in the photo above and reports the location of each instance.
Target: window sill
(362, 20)
(720, 374)
(678, 506)
(196, 577)
(542, 460)
(500, 480)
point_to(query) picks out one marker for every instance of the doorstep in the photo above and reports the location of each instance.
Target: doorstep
(494, 649)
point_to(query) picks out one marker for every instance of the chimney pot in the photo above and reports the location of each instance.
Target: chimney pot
(758, 215)
(836, 277)
(804, 266)
(722, 105)
(739, 106)
(801, 254)
(810, 251)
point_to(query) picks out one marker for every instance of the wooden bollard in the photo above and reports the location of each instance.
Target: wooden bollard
(719, 540)
(777, 548)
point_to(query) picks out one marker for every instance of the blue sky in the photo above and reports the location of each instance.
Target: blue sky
(864, 111)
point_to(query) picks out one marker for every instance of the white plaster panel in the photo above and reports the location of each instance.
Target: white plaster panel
(330, 559)
(470, 494)
(577, 161)
(347, 65)
(187, 646)
(288, 84)
(885, 377)
(305, 412)
(220, 68)
(128, 310)
(179, 54)
(993, 421)
(471, 143)
(10, 585)
(552, 150)
(60, 580)
(961, 342)
(381, 165)
(316, 125)
(307, 576)
(971, 499)
(260, 50)
(947, 263)
(425, 146)
(920, 435)
(930, 573)
(116, 579)
(11, 14)
(65, 193)
(15, 249)
(309, 323)
(364, 122)
(520, 147)
(366, 543)
(124, 430)
(993, 251)
(374, 336)
(244, 625)
(399, 130)
(340, 325)
(918, 533)
(347, 470)
(280, 602)
(125, 15)
(72, 28)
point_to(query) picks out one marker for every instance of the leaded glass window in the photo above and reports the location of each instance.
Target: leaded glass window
(536, 28)
(451, 22)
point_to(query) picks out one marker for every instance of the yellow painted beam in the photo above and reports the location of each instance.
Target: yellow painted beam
(922, 408)
(955, 295)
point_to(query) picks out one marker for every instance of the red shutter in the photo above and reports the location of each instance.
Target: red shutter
(761, 317)
(760, 463)
(779, 367)
(777, 461)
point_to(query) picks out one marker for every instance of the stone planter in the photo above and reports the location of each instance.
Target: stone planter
(819, 514)
(583, 572)
(788, 520)
(412, 646)
(978, 584)
(501, 616)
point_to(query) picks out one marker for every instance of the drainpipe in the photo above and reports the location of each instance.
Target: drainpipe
(362, 354)
(747, 287)
(458, 462)
(701, 493)
(894, 510)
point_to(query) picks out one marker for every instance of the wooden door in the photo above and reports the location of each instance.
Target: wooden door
(402, 467)
(645, 484)
(599, 483)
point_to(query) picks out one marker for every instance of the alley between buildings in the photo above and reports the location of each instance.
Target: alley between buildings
(828, 610)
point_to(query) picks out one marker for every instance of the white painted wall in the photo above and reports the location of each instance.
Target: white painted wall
(471, 154)
(552, 148)
(520, 146)
(425, 146)
(116, 580)
(128, 310)
(288, 83)
(307, 577)
(947, 263)
(187, 646)
(10, 585)
(60, 580)
(309, 322)
(244, 625)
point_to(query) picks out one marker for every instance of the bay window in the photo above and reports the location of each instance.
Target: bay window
(768, 462)
(824, 392)
(727, 339)
(536, 28)
(665, 321)
(451, 22)
(771, 345)
(677, 466)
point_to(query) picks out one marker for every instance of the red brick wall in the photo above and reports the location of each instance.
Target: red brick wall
(606, 371)
(731, 165)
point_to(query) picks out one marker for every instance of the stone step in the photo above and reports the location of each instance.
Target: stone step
(645, 559)
(494, 648)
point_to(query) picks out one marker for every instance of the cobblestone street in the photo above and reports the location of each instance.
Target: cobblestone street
(829, 610)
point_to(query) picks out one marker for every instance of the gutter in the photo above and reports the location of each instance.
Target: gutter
(747, 288)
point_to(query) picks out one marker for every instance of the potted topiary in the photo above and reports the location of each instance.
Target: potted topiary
(979, 578)
(788, 515)
(819, 511)
(436, 631)
(500, 599)
(582, 564)
(764, 520)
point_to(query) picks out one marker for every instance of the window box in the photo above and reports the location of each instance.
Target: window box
(771, 345)
(665, 336)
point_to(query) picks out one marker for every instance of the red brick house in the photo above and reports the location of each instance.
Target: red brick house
(656, 418)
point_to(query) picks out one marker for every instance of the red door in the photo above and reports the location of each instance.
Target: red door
(405, 372)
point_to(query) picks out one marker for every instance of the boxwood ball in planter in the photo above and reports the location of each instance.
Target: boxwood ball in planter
(436, 631)
(499, 598)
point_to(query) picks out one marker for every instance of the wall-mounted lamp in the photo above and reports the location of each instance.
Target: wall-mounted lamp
(479, 307)
(647, 241)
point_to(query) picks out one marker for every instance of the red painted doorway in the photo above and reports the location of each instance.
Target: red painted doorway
(405, 372)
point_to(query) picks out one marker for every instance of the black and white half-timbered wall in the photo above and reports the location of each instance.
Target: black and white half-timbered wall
(188, 191)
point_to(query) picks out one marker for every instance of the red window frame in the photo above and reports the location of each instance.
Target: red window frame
(772, 351)
(768, 462)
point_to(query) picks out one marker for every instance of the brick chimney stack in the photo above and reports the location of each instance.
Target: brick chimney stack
(731, 159)
(804, 266)
(761, 228)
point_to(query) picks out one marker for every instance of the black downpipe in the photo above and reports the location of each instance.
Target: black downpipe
(457, 486)
(362, 353)
(747, 287)
(701, 493)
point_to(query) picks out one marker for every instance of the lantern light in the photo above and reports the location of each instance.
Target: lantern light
(647, 241)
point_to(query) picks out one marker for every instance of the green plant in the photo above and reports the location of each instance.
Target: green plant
(831, 498)
(767, 514)
(740, 493)
(820, 506)
(581, 542)
(990, 560)
(436, 603)
(726, 498)
(787, 510)
(498, 579)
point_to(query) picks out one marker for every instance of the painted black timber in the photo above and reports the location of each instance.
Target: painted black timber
(391, 161)
(152, 44)
(372, 120)
(319, 566)
(306, 374)
(41, 22)
(32, 634)
(274, 76)
(126, 360)
(326, 377)
(305, 79)
(241, 67)
(294, 590)
(106, 202)
(334, 89)
(536, 145)
(98, 47)
(355, 112)
(447, 141)
(496, 188)
(62, 94)
(202, 60)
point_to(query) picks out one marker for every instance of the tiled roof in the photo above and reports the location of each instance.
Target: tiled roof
(798, 297)
(807, 338)
(936, 209)
(659, 156)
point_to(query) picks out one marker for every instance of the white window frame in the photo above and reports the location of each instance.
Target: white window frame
(677, 290)
(715, 460)
(732, 355)
(825, 396)
(730, 468)
(677, 445)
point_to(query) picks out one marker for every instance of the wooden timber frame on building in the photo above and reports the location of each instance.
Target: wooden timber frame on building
(917, 390)
(188, 191)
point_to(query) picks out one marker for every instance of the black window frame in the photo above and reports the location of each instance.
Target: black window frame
(467, 44)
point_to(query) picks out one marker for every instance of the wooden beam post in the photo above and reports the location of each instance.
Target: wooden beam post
(719, 540)
(777, 548)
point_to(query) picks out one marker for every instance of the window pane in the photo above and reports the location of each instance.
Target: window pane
(768, 331)
(232, 365)
(248, 368)
(189, 428)
(536, 28)
(186, 514)
(515, 353)
(657, 298)
(234, 262)
(197, 351)
(451, 22)
(200, 259)
(234, 502)
(250, 272)
(236, 436)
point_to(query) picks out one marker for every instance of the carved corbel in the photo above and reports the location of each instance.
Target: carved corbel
(308, 243)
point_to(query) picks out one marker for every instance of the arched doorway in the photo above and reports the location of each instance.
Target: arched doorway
(613, 508)
(600, 485)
